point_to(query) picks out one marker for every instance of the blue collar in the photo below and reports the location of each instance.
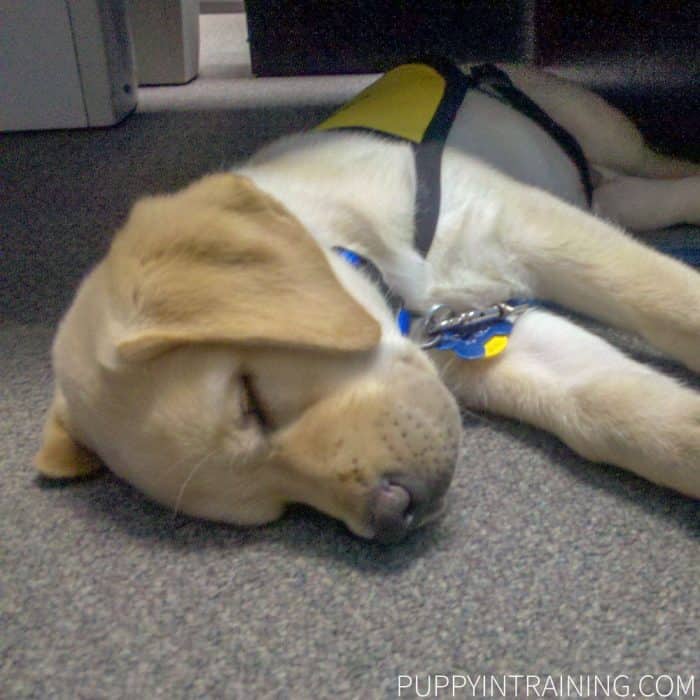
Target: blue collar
(471, 335)
(394, 300)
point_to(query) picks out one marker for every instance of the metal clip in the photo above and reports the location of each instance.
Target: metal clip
(427, 330)
(441, 319)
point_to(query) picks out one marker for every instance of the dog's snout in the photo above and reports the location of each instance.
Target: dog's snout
(419, 436)
(379, 454)
(402, 502)
(391, 511)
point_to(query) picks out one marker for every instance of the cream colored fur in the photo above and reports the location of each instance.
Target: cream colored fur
(230, 286)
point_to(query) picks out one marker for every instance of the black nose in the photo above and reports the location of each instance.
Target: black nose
(402, 502)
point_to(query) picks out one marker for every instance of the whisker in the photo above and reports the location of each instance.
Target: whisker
(181, 493)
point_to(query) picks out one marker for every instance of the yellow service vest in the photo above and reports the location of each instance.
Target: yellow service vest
(402, 103)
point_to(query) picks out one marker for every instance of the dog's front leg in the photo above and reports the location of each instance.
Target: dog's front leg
(605, 406)
(581, 262)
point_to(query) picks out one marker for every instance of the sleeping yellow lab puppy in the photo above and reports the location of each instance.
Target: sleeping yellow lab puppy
(238, 348)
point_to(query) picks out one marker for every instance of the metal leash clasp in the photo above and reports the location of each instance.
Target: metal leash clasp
(442, 319)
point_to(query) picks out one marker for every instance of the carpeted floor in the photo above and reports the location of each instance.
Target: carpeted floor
(544, 564)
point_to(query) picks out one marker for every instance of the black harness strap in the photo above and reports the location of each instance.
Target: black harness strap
(502, 85)
(428, 153)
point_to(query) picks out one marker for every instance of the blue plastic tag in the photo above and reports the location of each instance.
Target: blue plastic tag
(486, 341)
(483, 341)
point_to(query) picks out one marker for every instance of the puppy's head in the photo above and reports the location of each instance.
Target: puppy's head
(220, 361)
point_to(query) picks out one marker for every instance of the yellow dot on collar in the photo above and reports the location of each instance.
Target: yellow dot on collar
(495, 346)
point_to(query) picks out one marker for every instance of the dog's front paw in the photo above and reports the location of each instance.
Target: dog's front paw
(646, 423)
(680, 467)
(671, 321)
(682, 345)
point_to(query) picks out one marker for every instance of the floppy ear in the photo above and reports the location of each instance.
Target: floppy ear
(224, 262)
(60, 457)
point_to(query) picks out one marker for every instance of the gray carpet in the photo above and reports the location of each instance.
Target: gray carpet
(544, 564)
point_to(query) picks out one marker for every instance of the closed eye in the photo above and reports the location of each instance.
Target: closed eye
(251, 405)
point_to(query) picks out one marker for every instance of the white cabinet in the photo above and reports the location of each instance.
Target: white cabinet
(65, 64)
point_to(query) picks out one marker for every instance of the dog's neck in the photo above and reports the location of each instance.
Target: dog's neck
(349, 213)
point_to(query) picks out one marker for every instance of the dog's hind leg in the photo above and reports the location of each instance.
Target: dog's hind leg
(642, 204)
(605, 406)
(607, 136)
